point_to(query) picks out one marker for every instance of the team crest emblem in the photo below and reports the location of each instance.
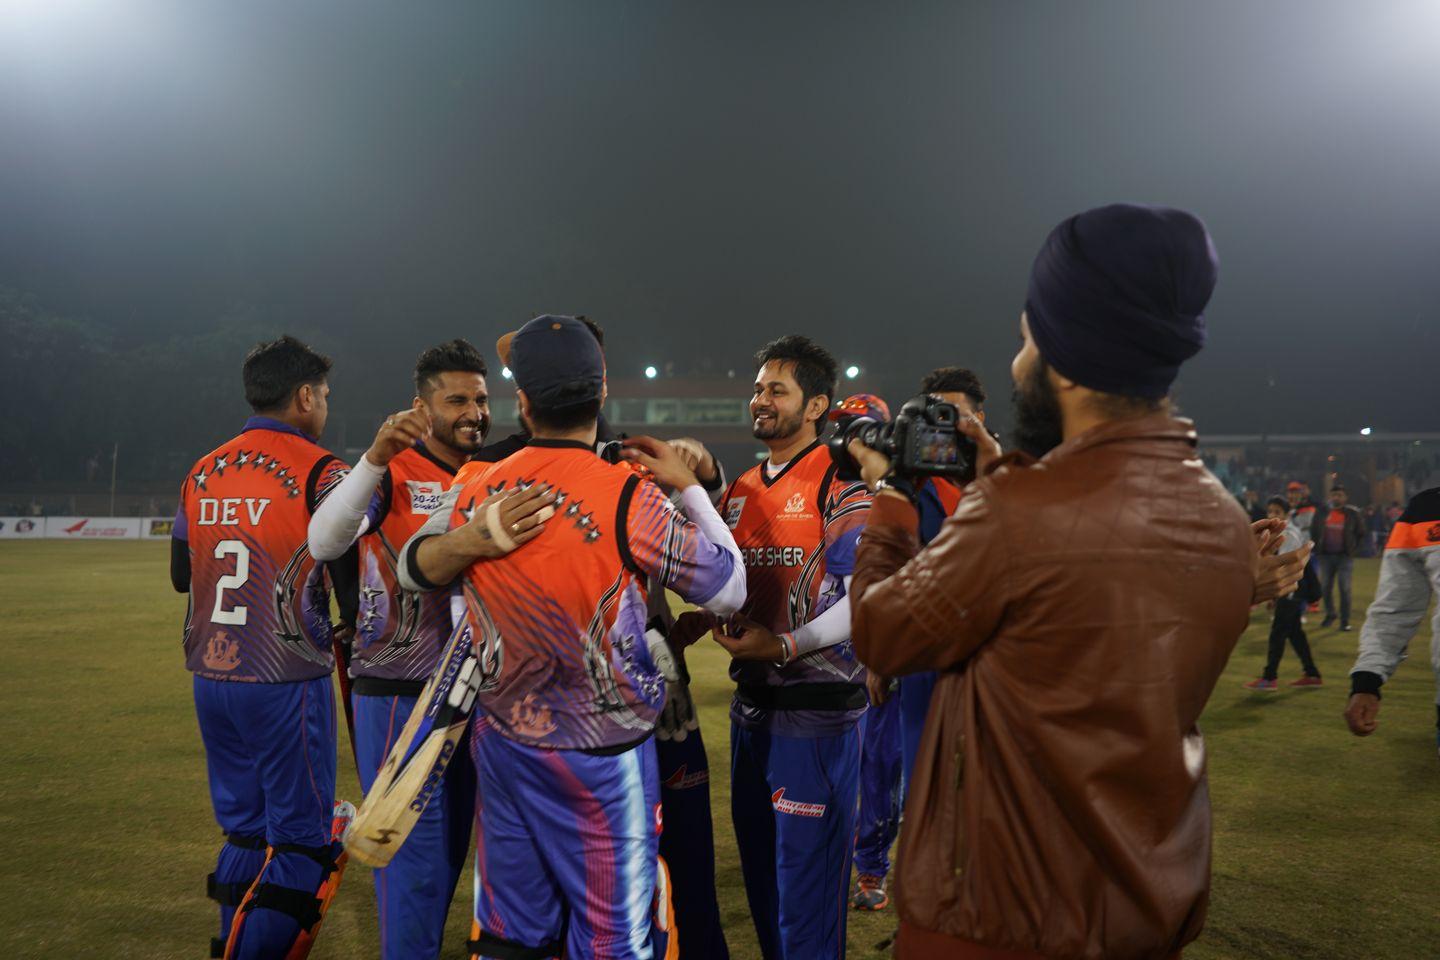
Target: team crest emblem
(531, 718)
(732, 512)
(795, 509)
(222, 653)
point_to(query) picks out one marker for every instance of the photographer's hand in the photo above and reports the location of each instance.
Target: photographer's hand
(987, 448)
(874, 466)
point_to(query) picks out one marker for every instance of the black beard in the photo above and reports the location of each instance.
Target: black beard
(782, 430)
(448, 435)
(1038, 424)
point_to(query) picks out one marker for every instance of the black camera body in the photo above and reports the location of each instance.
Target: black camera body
(921, 441)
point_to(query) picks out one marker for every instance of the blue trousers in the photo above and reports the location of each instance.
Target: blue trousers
(270, 759)
(688, 845)
(413, 893)
(915, 691)
(793, 802)
(567, 846)
(882, 787)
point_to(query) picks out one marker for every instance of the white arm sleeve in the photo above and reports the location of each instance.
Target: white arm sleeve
(437, 523)
(340, 519)
(701, 512)
(826, 630)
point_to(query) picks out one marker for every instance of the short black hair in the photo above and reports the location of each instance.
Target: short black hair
(274, 371)
(572, 416)
(1337, 487)
(452, 355)
(815, 369)
(1280, 502)
(954, 380)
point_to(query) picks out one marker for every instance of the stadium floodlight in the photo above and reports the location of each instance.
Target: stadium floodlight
(852, 371)
(505, 372)
(1364, 431)
(651, 373)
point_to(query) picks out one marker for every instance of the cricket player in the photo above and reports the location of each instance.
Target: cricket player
(800, 692)
(258, 641)
(568, 794)
(393, 490)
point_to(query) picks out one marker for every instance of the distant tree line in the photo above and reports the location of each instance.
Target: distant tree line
(75, 387)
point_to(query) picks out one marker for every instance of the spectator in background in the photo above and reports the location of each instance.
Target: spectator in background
(1374, 531)
(1250, 500)
(1302, 507)
(1302, 512)
(1288, 611)
(1337, 534)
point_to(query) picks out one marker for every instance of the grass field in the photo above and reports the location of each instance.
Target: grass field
(1326, 846)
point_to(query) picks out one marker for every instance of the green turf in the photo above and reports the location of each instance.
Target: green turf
(1326, 846)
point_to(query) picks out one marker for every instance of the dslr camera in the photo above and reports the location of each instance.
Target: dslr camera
(921, 441)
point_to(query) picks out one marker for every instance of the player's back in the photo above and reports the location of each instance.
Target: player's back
(560, 623)
(259, 604)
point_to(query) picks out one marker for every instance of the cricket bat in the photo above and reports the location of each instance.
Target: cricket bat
(415, 768)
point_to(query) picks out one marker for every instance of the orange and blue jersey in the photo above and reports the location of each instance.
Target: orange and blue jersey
(400, 634)
(797, 531)
(560, 624)
(259, 603)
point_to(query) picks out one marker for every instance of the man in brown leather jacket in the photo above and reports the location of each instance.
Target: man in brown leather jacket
(1080, 609)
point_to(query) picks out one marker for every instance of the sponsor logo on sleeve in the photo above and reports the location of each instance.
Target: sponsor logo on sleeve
(732, 512)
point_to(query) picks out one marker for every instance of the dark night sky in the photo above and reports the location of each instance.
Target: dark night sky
(703, 177)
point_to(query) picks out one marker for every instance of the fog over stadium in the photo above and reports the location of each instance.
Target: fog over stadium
(179, 179)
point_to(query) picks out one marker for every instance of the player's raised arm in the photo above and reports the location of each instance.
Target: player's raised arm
(356, 505)
(696, 557)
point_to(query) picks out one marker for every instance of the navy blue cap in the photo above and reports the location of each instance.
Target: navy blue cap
(557, 362)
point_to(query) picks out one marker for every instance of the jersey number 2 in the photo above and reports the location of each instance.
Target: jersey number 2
(235, 616)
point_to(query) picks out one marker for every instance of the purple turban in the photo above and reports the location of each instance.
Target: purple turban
(1117, 297)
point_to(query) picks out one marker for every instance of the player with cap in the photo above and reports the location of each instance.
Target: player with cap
(258, 641)
(568, 799)
(395, 487)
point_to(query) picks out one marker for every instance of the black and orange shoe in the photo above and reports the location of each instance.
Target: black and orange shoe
(870, 893)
